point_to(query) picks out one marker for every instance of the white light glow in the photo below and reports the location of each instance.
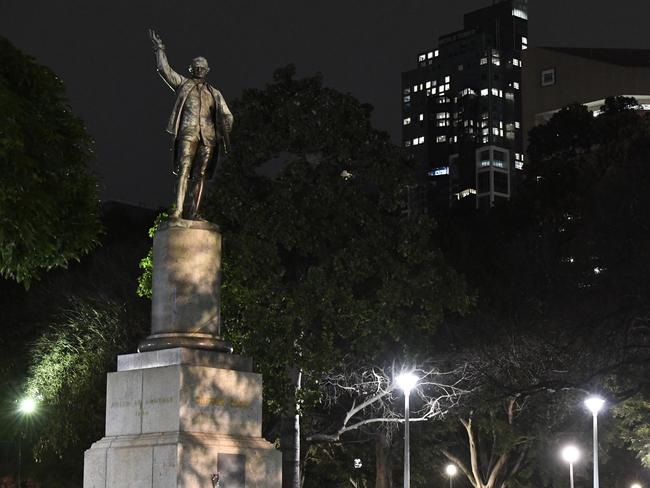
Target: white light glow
(570, 454)
(451, 470)
(406, 382)
(594, 404)
(635, 485)
(27, 405)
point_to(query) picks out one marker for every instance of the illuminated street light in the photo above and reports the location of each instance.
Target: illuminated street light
(26, 407)
(570, 454)
(595, 404)
(406, 382)
(451, 471)
(635, 485)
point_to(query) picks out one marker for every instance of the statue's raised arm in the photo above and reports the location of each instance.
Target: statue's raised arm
(171, 77)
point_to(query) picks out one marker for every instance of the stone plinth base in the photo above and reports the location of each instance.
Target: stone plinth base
(180, 459)
(175, 416)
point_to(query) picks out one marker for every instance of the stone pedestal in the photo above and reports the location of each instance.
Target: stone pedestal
(175, 416)
(185, 306)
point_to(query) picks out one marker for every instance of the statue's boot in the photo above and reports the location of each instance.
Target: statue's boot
(180, 196)
(196, 197)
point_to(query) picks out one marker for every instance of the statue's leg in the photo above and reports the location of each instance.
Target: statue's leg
(186, 151)
(204, 154)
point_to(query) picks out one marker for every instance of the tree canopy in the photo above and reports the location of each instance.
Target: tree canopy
(49, 210)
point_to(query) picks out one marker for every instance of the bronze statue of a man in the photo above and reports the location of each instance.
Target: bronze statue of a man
(200, 123)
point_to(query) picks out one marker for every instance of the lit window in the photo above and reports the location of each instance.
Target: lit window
(515, 85)
(517, 12)
(485, 140)
(483, 61)
(461, 67)
(421, 140)
(428, 84)
(442, 138)
(430, 54)
(484, 92)
(442, 115)
(516, 62)
(510, 96)
(447, 86)
(421, 86)
(407, 91)
(517, 125)
(495, 92)
(519, 165)
(407, 98)
(433, 90)
(407, 143)
(422, 57)
(524, 40)
(421, 117)
(415, 88)
(485, 131)
(447, 79)
(436, 53)
(407, 120)
(495, 131)
(442, 123)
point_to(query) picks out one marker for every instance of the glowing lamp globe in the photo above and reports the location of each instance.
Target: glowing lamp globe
(570, 454)
(27, 405)
(636, 485)
(406, 382)
(451, 470)
(594, 404)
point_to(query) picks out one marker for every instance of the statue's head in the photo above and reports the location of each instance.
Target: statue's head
(199, 68)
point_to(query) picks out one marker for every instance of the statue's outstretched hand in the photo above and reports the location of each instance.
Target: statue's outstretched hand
(155, 39)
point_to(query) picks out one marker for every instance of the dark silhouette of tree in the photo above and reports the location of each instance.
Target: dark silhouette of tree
(49, 209)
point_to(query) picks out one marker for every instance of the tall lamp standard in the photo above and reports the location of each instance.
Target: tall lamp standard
(595, 404)
(451, 471)
(570, 454)
(26, 407)
(406, 382)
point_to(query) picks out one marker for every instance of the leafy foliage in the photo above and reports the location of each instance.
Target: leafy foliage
(49, 210)
(69, 364)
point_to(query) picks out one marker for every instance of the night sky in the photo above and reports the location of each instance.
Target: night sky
(101, 51)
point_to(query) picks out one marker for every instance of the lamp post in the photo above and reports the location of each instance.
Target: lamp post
(636, 485)
(570, 454)
(406, 382)
(595, 404)
(26, 407)
(451, 471)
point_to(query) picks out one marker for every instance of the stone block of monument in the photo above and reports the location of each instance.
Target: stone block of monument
(184, 407)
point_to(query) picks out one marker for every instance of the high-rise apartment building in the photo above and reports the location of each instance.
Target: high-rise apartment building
(461, 108)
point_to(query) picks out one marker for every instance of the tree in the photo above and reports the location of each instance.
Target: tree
(320, 258)
(366, 401)
(49, 209)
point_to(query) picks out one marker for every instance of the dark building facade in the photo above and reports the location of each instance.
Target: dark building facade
(558, 76)
(461, 109)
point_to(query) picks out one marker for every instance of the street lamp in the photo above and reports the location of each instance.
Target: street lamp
(570, 454)
(595, 404)
(451, 471)
(406, 382)
(26, 407)
(636, 485)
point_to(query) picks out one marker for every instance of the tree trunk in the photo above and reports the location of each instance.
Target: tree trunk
(383, 464)
(290, 439)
